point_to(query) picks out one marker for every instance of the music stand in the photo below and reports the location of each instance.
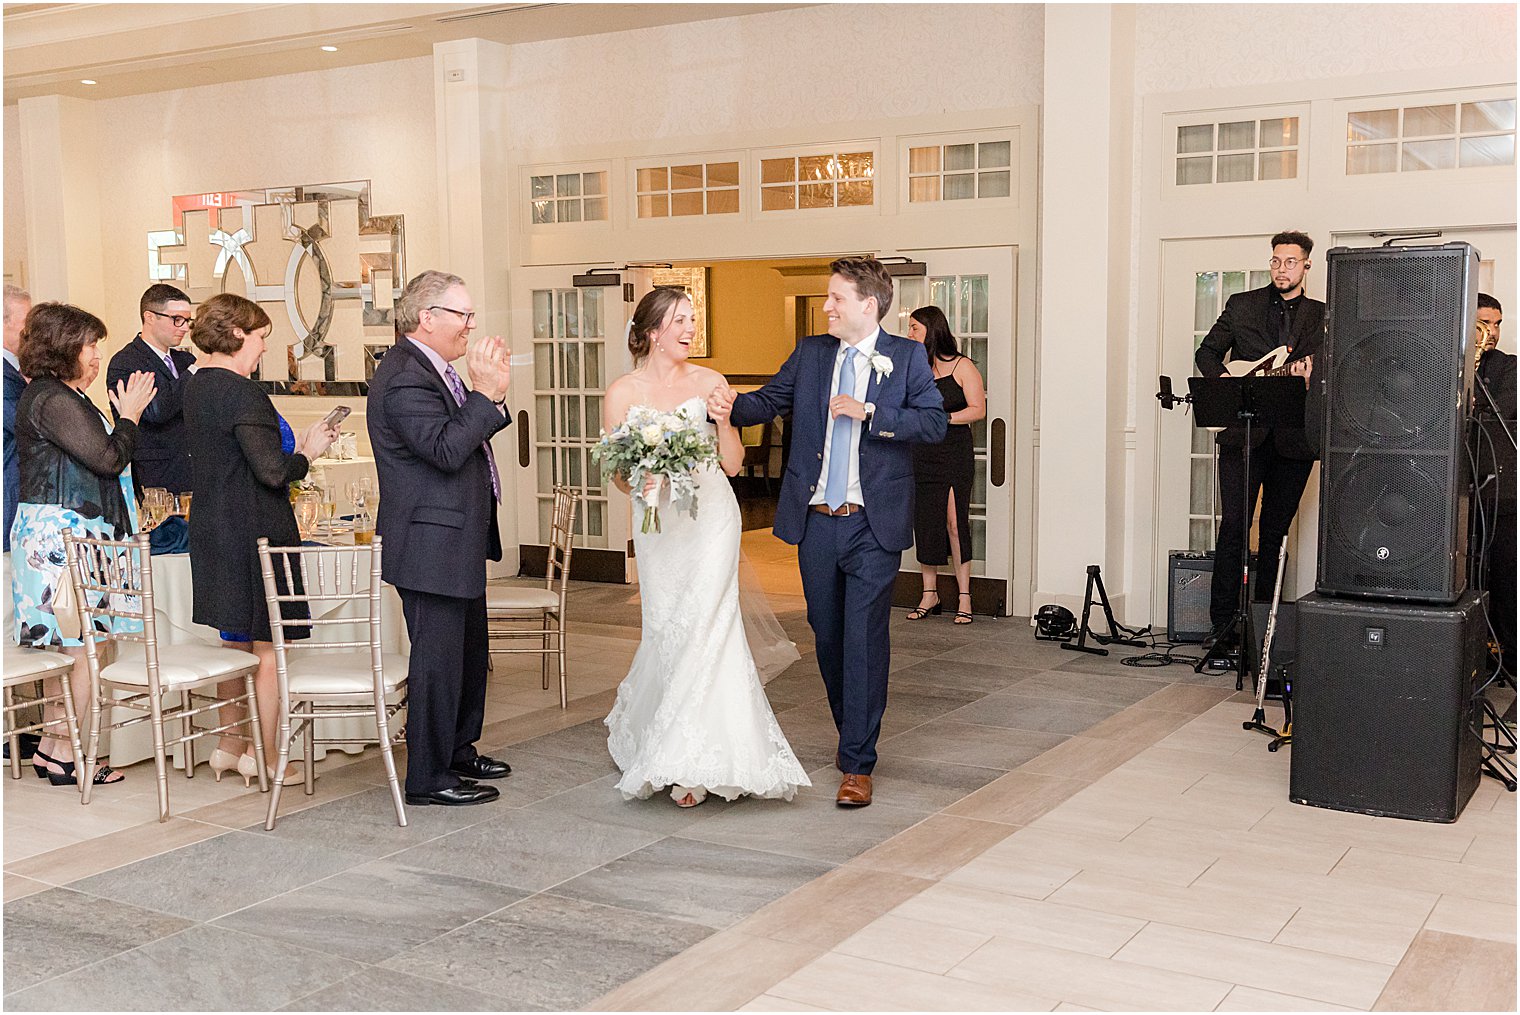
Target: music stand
(1228, 402)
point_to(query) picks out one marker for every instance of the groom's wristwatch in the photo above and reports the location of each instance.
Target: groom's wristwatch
(870, 411)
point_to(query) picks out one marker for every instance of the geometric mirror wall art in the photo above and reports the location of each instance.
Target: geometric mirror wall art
(326, 270)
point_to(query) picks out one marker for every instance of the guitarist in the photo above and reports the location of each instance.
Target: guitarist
(1253, 324)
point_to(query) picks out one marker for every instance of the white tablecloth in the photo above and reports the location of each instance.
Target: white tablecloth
(173, 608)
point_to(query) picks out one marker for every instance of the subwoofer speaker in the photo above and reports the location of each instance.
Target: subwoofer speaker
(1397, 375)
(1385, 707)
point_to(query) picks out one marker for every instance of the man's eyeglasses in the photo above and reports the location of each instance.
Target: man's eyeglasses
(178, 320)
(468, 315)
(1289, 263)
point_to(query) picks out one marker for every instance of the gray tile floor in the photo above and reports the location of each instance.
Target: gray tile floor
(561, 891)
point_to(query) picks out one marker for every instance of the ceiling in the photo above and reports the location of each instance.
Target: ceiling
(136, 48)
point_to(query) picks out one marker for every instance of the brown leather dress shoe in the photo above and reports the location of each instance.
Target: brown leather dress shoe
(854, 791)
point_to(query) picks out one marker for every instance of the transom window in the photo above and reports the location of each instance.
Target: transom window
(1239, 151)
(1452, 135)
(569, 197)
(831, 180)
(960, 172)
(698, 188)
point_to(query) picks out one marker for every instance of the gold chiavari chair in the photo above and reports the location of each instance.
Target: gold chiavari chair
(328, 677)
(26, 667)
(543, 609)
(113, 581)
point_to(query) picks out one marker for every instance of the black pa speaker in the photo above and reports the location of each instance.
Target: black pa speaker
(1397, 375)
(1187, 595)
(1385, 707)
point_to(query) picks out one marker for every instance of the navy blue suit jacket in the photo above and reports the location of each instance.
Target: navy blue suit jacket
(163, 448)
(15, 384)
(436, 511)
(909, 410)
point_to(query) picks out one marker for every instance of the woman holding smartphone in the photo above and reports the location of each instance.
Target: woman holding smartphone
(243, 459)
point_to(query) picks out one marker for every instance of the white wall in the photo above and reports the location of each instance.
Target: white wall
(370, 122)
(1180, 47)
(15, 216)
(825, 64)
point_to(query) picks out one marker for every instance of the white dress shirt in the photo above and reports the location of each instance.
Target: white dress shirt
(11, 358)
(863, 351)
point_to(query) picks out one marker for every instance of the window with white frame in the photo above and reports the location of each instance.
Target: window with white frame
(569, 197)
(1238, 151)
(1449, 135)
(837, 179)
(695, 188)
(1211, 291)
(960, 172)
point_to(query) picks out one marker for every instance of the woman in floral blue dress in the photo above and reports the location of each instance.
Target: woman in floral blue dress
(75, 474)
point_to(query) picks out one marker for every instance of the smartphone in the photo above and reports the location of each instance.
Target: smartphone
(337, 416)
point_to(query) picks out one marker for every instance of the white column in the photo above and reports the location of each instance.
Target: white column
(63, 215)
(473, 162)
(1085, 236)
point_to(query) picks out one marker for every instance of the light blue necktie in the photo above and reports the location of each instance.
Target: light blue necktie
(838, 487)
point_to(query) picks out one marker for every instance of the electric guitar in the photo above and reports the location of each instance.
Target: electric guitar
(1273, 364)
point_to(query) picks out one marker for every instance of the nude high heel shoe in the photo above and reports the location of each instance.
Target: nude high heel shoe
(225, 761)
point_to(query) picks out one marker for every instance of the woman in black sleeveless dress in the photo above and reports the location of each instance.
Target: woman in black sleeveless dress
(944, 471)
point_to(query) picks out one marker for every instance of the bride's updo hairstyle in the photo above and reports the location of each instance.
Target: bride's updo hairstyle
(649, 316)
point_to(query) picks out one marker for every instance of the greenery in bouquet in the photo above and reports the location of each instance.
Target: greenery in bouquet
(664, 444)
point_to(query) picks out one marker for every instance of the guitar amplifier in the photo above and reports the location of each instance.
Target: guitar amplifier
(1189, 576)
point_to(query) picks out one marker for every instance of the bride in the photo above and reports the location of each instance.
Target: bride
(691, 714)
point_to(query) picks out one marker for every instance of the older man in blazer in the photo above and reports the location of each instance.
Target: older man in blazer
(1253, 324)
(438, 494)
(859, 399)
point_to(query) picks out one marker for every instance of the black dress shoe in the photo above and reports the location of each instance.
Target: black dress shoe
(463, 795)
(482, 767)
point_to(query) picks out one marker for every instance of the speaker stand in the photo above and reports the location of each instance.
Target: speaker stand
(1494, 763)
(1118, 634)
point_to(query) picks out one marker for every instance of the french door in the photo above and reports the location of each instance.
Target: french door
(975, 289)
(574, 320)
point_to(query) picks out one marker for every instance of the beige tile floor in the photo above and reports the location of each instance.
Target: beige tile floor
(1178, 877)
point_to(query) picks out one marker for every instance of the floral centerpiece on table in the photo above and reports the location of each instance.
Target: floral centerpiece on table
(663, 444)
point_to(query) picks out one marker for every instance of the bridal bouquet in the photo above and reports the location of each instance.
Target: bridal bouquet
(662, 444)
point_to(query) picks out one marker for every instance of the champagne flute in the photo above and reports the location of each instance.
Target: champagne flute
(329, 505)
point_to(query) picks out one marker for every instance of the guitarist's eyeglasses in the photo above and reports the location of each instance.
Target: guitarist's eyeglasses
(1290, 263)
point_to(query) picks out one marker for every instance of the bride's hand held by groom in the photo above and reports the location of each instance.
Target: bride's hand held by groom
(720, 403)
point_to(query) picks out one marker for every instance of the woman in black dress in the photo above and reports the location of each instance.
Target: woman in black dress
(241, 477)
(944, 471)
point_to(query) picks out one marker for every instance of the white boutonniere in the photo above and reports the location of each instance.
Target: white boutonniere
(882, 365)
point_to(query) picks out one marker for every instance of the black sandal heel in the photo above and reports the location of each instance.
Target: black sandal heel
(962, 616)
(920, 612)
(68, 778)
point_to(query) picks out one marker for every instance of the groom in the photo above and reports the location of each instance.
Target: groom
(859, 399)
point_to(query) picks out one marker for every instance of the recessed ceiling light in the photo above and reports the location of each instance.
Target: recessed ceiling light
(329, 49)
(86, 81)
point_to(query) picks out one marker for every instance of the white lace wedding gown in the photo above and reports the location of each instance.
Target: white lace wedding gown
(691, 713)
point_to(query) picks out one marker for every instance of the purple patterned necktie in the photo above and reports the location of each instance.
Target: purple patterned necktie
(457, 387)
(169, 362)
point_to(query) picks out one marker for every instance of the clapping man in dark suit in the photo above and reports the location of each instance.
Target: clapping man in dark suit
(439, 489)
(18, 303)
(162, 458)
(859, 399)
(1253, 324)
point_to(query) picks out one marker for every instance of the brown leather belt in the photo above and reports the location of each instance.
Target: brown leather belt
(844, 510)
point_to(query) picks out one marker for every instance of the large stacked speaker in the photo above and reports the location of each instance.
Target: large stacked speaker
(1391, 643)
